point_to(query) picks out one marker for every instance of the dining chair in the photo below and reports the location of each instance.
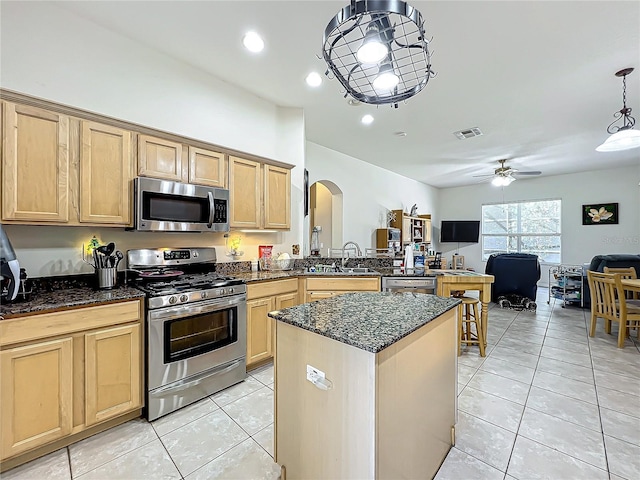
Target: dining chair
(625, 272)
(608, 302)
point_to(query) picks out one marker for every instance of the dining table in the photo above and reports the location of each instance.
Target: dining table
(631, 284)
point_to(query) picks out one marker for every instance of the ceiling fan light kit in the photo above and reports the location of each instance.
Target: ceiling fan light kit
(378, 51)
(623, 137)
(503, 176)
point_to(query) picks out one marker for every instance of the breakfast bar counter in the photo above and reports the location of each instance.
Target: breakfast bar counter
(365, 386)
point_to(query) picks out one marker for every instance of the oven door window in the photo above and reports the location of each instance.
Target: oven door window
(174, 208)
(192, 336)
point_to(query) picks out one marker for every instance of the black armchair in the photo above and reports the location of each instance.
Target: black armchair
(515, 274)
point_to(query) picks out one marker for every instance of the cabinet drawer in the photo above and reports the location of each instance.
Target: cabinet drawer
(368, 284)
(268, 289)
(43, 325)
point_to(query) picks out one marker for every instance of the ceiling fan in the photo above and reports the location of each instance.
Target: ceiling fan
(504, 175)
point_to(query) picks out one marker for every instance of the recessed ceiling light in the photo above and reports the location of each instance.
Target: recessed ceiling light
(253, 42)
(314, 79)
(367, 119)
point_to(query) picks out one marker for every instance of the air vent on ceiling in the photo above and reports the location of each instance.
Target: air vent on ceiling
(468, 133)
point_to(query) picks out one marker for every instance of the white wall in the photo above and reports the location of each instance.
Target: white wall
(579, 243)
(50, 53)
(369, 192)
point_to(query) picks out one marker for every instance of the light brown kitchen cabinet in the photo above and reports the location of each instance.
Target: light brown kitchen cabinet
(262, 298)
(160, 158)
(112, 372)
(36, 394)
(260, 195)
(106, 171)
(259, 335)
(68, 372)
(316, 288)
(277, 197)
(245, 196)
(35, 165)
(207, 167)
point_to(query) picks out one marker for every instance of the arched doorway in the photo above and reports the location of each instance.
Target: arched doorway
(325, 211)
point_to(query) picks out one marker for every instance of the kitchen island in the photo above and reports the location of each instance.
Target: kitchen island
(365, 386)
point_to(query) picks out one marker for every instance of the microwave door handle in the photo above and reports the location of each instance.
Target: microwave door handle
(210, 196)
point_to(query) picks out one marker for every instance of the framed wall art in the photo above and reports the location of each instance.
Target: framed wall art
(600, 214)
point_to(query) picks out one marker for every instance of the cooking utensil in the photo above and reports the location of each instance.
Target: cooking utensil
(110, 249)
(119, 256)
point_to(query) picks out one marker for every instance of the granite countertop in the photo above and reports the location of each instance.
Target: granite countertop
(71, 297)
(371, 321)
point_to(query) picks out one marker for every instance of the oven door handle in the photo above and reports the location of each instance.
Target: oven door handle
(197, 379)
(211, 209)
(189, 310)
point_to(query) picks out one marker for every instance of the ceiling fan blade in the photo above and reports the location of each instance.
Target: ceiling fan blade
(487, 175)
(531, 172)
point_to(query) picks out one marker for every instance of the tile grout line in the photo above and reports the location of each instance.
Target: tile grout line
(525, 404)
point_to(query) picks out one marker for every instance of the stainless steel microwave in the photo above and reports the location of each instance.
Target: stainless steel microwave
(166, 206)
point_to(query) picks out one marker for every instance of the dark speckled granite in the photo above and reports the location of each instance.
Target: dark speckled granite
(369, 321)
(67, 298)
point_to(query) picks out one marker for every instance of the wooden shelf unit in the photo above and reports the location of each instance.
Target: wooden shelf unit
(416, 229)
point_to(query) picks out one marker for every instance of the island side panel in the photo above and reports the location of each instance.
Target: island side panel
(416, 400)
(323, 434)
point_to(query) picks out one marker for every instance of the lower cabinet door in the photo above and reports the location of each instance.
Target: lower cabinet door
(259, 334)
(112, 372)
(36, 395)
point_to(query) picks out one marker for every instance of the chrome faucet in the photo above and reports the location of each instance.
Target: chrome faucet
(358, 252)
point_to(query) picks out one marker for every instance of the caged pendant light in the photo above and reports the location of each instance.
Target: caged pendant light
(378, 51)
(622, 137)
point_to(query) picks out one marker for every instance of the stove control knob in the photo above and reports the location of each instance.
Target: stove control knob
(203, 295)
(172, 300)
(231, 290)
(184, 298)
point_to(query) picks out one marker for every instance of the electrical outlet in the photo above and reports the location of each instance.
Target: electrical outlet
(313, 374)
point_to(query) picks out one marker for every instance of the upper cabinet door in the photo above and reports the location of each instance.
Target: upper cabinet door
(277, 197)
(35, 164)
(245, 194)
(207, 167)
(106, 170)
(160, 158)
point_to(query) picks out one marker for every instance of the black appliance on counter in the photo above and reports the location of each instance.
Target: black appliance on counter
(196, 325)
(9, 269)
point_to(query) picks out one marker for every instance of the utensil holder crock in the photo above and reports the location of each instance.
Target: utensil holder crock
(107, 277)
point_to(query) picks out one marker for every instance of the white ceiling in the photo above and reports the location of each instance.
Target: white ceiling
(536, 77)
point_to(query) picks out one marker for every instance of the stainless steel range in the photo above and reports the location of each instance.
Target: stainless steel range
(196, 326)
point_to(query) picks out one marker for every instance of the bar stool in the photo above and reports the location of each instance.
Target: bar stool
(467, 315)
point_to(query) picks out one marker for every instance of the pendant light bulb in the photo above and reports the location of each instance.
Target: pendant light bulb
(386, 79)
(372, 50)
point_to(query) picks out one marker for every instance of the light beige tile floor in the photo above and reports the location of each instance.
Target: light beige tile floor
(547, 402)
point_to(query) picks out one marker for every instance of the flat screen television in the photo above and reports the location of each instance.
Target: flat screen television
(462, 231)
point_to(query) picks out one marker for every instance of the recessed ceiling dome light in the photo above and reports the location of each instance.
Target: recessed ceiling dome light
(253, 42)
(367, 119)
(314, 79)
